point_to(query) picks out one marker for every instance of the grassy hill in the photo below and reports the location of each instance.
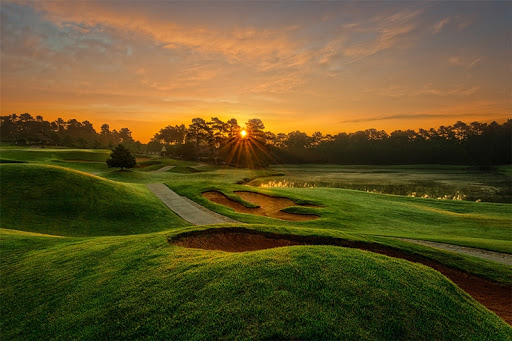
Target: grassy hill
(86, 160)
(86, 257)
(60, 201)
(133, 287)
(48, 154)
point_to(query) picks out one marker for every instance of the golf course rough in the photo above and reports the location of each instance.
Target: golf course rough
(129, 287)
(87, 257)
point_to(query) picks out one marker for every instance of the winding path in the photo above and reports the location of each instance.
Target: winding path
(186, 208)
(503, 258)
(163, 169)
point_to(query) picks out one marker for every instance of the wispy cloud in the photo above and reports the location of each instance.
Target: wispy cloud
(399, 91)
(407, 117)
(437, 28)
(460, 90)
(464, 62)
(387, 31)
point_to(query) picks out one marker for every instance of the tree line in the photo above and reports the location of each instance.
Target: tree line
(216, 141)
(475, 143)
(25, 129)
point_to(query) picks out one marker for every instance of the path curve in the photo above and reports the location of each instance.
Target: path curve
(163, 169)
(499, 257)
(186, 208)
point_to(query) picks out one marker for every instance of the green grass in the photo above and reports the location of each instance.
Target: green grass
(484, 225)
(48, 154)
(61, 201)
(156, 163)
(185, 170)
(141, 287)
(114, 276)
(86, 160)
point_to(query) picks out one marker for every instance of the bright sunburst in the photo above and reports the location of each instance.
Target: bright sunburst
(243, 133)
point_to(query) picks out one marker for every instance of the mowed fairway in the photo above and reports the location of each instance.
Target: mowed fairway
(88, 257)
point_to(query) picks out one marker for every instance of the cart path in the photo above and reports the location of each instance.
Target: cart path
(500, 257)
(186, 208)
(163, 169)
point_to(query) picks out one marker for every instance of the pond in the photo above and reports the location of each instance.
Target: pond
(446, 183)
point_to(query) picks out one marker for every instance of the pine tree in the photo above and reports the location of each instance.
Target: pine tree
(121, 157)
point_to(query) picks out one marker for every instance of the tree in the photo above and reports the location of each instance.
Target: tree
(255, 129)
(125, 135)
(121, 157)
(232, 127)
(198, 131)
(217, 133)
(171, 135)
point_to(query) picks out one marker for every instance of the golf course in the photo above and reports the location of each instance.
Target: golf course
(180, 250)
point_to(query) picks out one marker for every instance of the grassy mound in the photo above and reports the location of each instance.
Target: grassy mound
(47, 154)
(141, 287)
(86, 160)
(185, 170)
(60, 201)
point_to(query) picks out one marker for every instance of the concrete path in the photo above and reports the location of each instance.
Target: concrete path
(503, 258)
(185, 209)
(163, 169)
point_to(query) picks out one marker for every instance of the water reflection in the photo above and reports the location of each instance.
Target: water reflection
(285, 183)
(418, 189)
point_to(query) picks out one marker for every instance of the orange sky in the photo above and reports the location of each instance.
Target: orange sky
(324, 66)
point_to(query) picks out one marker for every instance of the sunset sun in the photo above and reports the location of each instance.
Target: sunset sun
(243, 134)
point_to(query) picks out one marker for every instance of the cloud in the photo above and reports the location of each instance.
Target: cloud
(439, 26)
(387, 38)
(391, 91)
(464, 62)
(280, 84)
(255, 45)
(260, 47)
(407, 117)
(459, 90)
(428, 89)
(387, 32)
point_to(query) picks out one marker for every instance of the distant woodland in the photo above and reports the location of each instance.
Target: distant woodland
(220, 142)
(25, 129)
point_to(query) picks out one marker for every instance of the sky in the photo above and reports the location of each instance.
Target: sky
(308, 66)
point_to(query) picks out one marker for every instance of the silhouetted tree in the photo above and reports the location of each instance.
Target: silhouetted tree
(24, 129)
(232, 127)
(121, 157)
(125, 136)
(171, 135)
(255, 129)
(198, 131)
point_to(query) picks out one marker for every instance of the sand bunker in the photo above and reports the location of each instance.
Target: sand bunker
(492, 295)
(268, 206)
(233, 242)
